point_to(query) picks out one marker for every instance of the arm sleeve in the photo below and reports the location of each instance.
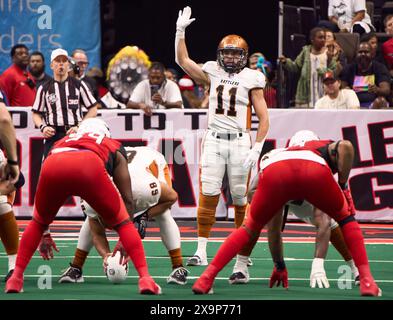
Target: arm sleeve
(39, 101)
(21, 181)
(382, 73)
(87, 97)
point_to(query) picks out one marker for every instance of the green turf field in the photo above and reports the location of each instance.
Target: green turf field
(298, 259)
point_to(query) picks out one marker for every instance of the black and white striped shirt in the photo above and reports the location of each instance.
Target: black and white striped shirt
(61, 103)
(1, 98)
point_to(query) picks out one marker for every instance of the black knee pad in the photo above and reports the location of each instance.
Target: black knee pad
(346, 220)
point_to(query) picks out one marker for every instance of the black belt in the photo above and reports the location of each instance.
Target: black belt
(62, 128)
(226, 136)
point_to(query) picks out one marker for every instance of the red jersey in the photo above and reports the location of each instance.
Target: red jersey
(18, 87)
(104, 147)
(320, 148)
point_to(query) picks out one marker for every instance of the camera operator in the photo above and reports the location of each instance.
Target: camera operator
(156, 92)
(80, 62)
(57, 108)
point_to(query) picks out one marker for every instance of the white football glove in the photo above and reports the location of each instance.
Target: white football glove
(183, 21)
(318, 274)
(253, 155)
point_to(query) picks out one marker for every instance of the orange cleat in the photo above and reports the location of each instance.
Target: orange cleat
(14, 284)
(368, 287)
(148, 286)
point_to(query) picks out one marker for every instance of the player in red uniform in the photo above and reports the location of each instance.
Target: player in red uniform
(77, 164)
(297, 173)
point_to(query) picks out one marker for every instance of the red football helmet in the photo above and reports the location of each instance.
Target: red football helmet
(232, 53)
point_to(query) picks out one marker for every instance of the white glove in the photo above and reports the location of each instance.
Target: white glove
(318, 274)
(253, 155)
(183, 20)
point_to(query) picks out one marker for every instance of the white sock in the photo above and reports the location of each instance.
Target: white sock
(11, 262)
(169, 231)
(201, 251)
(241, 263)
(85, 239)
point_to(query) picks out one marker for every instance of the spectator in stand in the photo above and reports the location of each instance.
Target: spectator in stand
(387, 46)
(348, 16)
(37, 68)
(189, 96)
(313, 61)
(253, 60)
(171, 74)
(335, 97)
(376, 52)
(80, 58)
(16, 83)
(368, 78)
(156, 92)
(338, 52)
(257, 61)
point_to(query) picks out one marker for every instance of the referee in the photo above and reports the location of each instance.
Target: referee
(57, 108)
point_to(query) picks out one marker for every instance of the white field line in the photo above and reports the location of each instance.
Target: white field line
(4, 256)
(190, 277)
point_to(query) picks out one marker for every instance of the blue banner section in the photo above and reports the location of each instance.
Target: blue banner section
(45, 25)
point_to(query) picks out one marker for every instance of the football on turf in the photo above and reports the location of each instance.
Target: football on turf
(116, 272)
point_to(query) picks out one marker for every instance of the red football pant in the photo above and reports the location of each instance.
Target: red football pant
(78, 173)
(294, 180)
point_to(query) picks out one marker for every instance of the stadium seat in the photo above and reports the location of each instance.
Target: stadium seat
(382, 37)
(349, 43)
(321, 7)
(292, 22)
(386, 9)
(370, 10)
(308, 19)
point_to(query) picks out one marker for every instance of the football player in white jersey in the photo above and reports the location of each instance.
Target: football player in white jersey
(9, 231)
(153, 195)
(234, 89)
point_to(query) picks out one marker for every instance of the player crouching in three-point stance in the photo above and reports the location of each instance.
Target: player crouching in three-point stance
(76, 165)
(227, 143)
(153, 195)
(327, 230)
(300, 173)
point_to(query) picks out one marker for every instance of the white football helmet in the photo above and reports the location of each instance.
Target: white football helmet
(301, 137)
(94, 125)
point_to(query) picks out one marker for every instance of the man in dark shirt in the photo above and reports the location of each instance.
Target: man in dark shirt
(37, 68)
(368, 78)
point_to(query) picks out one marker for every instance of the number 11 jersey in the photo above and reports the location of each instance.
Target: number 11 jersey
(230, 97)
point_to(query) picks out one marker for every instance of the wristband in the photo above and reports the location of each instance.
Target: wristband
(343, 186)
(42, 127)
(180, 34)
(280, 265)
(12, 162)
